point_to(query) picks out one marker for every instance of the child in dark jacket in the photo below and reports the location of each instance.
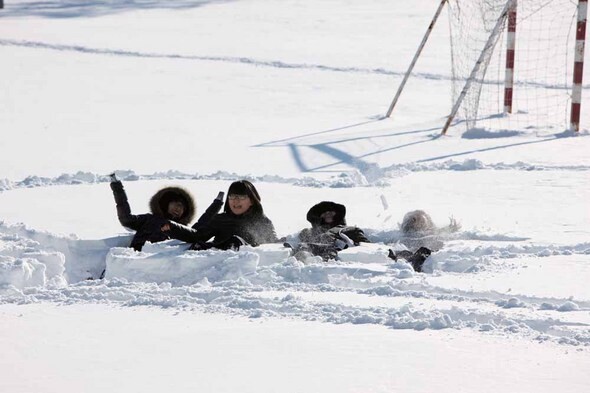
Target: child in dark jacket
(171, 203)
(242, 222)
(329, 233)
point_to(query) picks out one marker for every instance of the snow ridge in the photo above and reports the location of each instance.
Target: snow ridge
(266, 282)
(376, 177)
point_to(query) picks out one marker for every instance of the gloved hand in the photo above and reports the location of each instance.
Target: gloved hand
(113, 177)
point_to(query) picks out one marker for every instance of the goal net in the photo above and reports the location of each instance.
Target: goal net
(543, 43)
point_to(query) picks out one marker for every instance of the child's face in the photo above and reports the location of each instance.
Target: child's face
(327, 217)
(175, 209)
(239, 204)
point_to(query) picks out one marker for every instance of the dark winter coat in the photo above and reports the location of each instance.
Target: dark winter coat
(148, 226)
(253, 227)
(326, 233)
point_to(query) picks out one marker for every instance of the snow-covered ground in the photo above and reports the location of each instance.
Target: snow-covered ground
(289, 94)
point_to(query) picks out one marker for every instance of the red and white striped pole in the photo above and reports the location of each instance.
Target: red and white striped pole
(579, 65)
(510, 52)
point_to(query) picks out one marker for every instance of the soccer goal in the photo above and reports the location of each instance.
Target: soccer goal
(516, 64)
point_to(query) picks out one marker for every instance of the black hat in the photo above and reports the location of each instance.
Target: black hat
(314, 214)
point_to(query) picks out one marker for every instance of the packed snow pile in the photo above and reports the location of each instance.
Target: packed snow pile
(364, 286)
(171, 262)
(48, 258)
(32, 269)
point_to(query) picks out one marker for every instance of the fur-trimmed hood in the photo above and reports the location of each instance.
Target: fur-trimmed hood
(161, 199)
(313, 215)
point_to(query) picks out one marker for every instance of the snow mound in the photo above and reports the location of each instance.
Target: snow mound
(66, 258)
(171, 262)
(21, 273)
(364, 287)
(366, 253)
(23, 264)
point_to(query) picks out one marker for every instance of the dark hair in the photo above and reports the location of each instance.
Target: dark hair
(244, 187)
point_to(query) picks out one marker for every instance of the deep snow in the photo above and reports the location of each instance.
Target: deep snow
(289, 94)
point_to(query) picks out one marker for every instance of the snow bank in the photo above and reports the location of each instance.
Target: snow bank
(30, 269)
(171, 262)
(367, 253)
(23, 262)
(21, 273)
(64, 259)
(363, 287)
(362, 176)
(71, 260)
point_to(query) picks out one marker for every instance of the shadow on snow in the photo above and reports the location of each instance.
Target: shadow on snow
(94, 8)
(295, 145)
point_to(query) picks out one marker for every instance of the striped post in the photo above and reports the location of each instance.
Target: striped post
(492, 40)
(578, 66)
(510, 47)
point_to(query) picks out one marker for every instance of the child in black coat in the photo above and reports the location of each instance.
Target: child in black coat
(171, 203)
(329, 233)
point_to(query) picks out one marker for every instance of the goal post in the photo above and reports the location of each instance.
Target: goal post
(510, 55)
(516, 65)
(480, 64)
(579, 65)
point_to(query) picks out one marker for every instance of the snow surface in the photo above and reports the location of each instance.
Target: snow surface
(289, 94)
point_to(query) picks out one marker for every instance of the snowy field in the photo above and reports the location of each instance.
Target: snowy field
(291, 95)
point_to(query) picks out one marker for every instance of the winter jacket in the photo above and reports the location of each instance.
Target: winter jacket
(228, 229)
(322, 232)
(253, 228)
(148, 226)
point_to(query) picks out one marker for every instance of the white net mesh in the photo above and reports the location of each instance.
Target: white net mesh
(545, 41)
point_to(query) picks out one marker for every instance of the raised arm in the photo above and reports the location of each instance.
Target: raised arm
(211, 211)
(123, 209)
